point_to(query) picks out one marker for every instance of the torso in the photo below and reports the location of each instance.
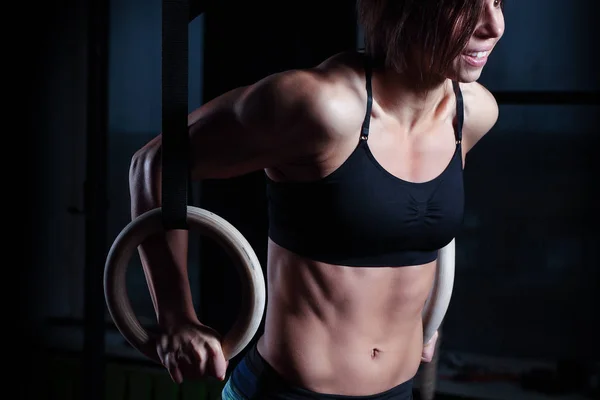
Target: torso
(354, 330)
(350, 331)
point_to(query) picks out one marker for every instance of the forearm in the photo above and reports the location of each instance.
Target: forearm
(163, 256)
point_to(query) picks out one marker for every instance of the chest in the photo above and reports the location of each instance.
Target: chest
(366, 193)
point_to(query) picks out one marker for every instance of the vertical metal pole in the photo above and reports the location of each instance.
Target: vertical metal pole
(95, 200)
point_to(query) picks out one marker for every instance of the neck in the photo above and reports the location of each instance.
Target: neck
(408, 99)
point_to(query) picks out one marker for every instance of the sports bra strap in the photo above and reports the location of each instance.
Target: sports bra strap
(365, 126)
(459, 112)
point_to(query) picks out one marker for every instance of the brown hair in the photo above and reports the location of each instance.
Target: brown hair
(420, 36)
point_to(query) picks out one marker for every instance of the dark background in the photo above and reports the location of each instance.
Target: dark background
(527, 270)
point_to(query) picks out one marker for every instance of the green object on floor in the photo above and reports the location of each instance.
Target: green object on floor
(127, 382)
(116, 383)
(65, 379)
(139, 385)
(164, 388)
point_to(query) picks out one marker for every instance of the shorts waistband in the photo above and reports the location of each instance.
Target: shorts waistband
(256, 379)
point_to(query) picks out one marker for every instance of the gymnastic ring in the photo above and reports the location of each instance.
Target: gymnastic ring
(441, 293)
(211, 225)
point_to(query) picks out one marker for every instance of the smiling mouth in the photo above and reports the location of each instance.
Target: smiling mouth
(476, 59)
(478, 54)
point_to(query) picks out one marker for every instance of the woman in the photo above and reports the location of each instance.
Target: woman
(363, 157)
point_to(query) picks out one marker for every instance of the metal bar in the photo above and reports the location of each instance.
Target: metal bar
(95, 201)
(547, 98)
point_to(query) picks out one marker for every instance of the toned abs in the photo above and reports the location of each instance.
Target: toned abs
(336, 329)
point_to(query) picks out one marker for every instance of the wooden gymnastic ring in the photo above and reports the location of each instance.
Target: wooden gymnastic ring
(441, 293)
(213, 226)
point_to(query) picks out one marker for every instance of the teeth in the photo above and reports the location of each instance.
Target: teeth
(480, 54)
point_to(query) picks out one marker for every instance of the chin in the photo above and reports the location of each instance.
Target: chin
(469, 76)
(466, 74)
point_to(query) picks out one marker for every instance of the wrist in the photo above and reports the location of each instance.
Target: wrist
(168, 320)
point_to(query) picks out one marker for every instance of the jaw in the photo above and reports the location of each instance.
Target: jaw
(465, 73)
(469, 76)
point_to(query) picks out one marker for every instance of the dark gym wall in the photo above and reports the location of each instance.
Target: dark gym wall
(527, 275)
(56, 279)
(547, 46)
(56, 63)
(134, 118)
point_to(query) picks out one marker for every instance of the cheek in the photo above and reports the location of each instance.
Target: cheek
(457, 63)
(455, 69)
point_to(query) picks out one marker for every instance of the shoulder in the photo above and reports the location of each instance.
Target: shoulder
(278, 95)
(322, 96)
(481, 113)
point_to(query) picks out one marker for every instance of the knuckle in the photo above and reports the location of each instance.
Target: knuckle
(214, 344)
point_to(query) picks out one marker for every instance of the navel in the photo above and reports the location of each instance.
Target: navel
(375, 353)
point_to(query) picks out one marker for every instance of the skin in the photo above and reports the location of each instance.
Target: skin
(329, 328)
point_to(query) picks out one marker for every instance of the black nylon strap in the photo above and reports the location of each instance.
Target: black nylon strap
(459, 111)
(369, 86)
(175, 140)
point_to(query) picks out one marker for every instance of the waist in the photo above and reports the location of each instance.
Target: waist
(343, 330)
(255, 378)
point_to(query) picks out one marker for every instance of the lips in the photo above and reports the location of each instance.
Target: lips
(477, 54)
(476, 58)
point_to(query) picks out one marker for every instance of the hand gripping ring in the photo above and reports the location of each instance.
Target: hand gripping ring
(211, 225)
(441, 293)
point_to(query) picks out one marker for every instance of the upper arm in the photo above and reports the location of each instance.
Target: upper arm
(253, 127)
(481, 113)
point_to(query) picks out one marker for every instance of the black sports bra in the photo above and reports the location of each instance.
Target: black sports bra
(361, 215)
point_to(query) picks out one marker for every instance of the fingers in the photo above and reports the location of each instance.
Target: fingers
(166, 349)
(210, 359)
(433, 339)
(190, 355)
(427, 357)
(427, 354)
(172, 366)
(218, 363)
(429, 348)
(198, 358)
